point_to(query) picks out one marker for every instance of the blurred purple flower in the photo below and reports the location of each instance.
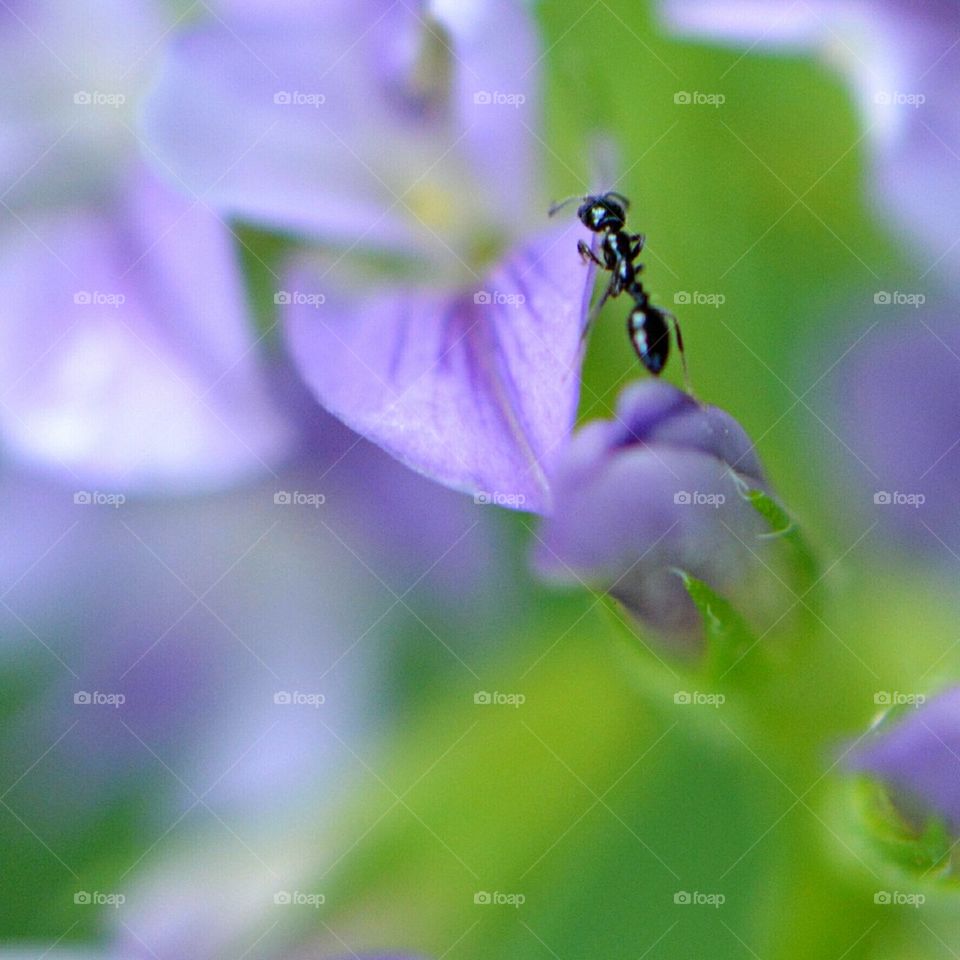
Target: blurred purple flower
(126, 349)
(657, 489)
(898, 404)
(917, 757)
(409, 130)
(902, 61)
(199, 611)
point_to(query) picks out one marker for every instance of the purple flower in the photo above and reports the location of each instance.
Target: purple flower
(202, 612)
(655, 490)
(901, 61)
(898, 404)
(126, 349)
(406, 130)
(917, 757)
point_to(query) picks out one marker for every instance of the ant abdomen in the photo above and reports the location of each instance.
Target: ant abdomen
(650, 335)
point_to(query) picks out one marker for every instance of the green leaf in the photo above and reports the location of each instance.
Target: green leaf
(784, 527)
(925, 850)
(727, 633)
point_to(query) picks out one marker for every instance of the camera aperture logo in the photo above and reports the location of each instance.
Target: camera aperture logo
(86, 698)
(284, 498)
(298, 98)
(98, 298)
(894, 898)
(686, 498)
(297, 898)
(299, 298)
(497, 298)
(686, 698)
(696, 298)
(686, 898)
(687, 98)
(894, 98)
(484, 98)
(883, 498)
(297, 698)
(884, 298)
(486, 698)
(497, 499)
(895, 698)
(484, 898)
(96, 498)
(95, 898)
(96, 98)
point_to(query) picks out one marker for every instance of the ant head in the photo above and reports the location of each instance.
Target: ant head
(602, 213)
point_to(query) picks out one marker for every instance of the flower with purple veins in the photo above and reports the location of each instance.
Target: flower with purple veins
(917, 758)
(902, 61)
(407, 132)
(657, 490)
(127, 348)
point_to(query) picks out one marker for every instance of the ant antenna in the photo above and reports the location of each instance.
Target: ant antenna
(557, 207)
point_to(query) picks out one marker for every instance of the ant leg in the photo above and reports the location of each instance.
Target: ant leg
(586, 254)
(680, 350)
(639, 239)
(595, 311)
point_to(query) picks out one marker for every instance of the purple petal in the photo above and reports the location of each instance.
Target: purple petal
(71, 72)
(477, 395)
(497, 53)
(918, 757)
(899, 407)
(127, 352)
(780, 23)
(658, 489)
(354, 151)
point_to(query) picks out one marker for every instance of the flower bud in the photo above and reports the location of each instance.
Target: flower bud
(657, 490)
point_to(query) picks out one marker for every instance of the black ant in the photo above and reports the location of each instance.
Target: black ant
(606, 214)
